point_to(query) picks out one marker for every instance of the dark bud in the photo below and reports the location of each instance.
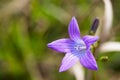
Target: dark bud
(94, 26)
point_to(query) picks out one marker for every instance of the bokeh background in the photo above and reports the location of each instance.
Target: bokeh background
(26, 26)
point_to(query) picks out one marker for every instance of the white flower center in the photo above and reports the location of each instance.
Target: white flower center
(79, 47)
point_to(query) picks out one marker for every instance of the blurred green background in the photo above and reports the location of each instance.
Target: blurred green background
(26, 26)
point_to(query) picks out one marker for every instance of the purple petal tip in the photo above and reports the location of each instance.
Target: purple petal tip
(48, 45)
(61, 70)
(95, 68)
(73, 18)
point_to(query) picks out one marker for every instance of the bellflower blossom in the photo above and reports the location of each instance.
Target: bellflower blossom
(77, 48)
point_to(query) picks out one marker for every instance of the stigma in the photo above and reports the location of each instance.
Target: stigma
(79, 47)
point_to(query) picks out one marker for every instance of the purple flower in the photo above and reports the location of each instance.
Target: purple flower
(77, 48)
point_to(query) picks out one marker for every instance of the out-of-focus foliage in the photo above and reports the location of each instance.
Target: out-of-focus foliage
(26, 29)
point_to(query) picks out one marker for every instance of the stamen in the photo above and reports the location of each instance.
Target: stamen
(80, 47)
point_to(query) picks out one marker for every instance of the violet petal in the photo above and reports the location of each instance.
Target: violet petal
(88, 61)
(73, 30)
(61, 45)
(90, 39)
(68, 61)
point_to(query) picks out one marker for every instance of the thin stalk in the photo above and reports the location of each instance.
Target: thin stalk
(91, 75)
